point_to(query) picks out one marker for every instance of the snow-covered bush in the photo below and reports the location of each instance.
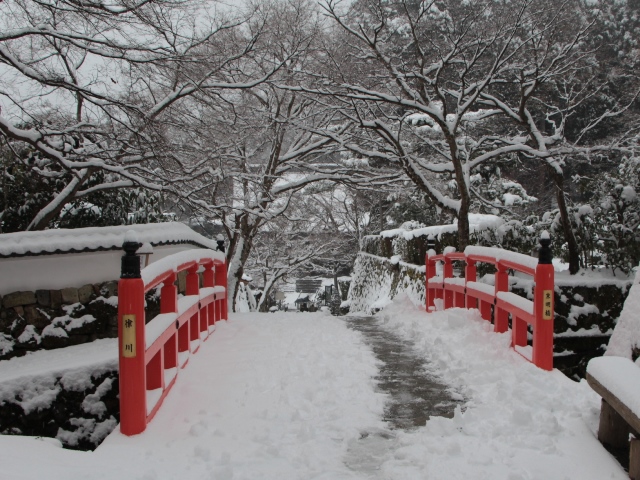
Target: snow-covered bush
(616, 216)
(23, 193)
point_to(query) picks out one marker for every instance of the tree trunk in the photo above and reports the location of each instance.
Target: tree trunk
(463, 190)
(463, 224)
(567, 228)
(243, 243)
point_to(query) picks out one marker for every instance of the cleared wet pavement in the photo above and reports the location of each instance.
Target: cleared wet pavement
(414, 394)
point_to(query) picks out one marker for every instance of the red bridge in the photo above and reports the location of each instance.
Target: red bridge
(496, 302)
(151, 354)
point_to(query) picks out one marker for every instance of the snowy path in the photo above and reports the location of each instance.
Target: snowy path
(414, 394)
(292, 396)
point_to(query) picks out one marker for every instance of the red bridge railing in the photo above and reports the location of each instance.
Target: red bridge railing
(151, 355)
(495, 302)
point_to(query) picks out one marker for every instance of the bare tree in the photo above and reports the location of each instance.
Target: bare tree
(104, 87)
(413, 80)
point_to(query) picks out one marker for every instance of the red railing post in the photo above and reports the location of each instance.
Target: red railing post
(501, 317)
(470, 275)
(131, 344)
(169, 295)
(209, 281)
(221, 279)
(193, 281)
(447, 272)
(207, 276)
(169, 304)
(430, 272)
(543, 306)
(193, 288)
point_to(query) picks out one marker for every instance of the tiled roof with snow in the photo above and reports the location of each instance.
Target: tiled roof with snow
(97, 238)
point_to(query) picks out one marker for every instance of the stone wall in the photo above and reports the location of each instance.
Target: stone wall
(49, 319)
(375, 281)
(79, 408)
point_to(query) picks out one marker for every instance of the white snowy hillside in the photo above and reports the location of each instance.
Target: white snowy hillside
(626, 335)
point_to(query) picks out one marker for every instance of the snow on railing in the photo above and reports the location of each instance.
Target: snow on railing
(496, 301)
(151, 355)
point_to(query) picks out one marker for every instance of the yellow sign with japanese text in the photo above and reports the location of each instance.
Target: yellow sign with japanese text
(547, 305)
(129, 336)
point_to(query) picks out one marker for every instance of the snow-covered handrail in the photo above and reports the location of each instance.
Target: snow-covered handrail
(469, 293)
(150, 355)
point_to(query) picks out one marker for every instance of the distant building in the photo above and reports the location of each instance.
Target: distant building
(308, 285)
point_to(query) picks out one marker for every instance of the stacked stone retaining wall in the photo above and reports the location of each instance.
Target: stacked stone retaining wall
(49, 319)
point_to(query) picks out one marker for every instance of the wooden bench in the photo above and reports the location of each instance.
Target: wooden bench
(617, 381)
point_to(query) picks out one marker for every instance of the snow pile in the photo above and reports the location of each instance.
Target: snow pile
(626, 335)
(60, 326)
(36, 380)
(619, 376)
(98, 238)
(519, 422)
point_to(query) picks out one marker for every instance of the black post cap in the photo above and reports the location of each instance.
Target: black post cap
(220, 243)
(130, 266)
(545, 255)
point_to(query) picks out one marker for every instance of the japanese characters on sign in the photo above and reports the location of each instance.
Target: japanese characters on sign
(547, 305)
(128, 336)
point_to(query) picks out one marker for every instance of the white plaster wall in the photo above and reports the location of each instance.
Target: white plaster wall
(53, 272)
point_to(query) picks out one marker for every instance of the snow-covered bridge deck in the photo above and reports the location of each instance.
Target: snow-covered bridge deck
(291, 396)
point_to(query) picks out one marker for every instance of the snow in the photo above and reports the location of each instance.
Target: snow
(516, 301)
(95, 238)
(626, 334)
(477, 223)
(575, 311)
(511, 199)
(621, 377)
(502, 254)
(130, 236)
(593, 331)
(518, 422)
(92, 403)
(29, 334)
(33, 378)
(172, 263)
(60, 361)
(595, 278)
(482, 287)
(157, 326)
(279, 396)
(628, 194)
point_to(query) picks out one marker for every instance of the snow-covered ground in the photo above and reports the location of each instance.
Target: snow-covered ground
(278, 396)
